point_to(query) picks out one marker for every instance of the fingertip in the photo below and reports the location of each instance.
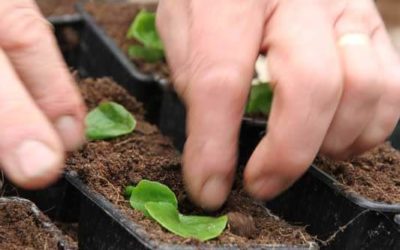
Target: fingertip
(214, 192)
(208, 172)
(66, 110)
(266, 187)
(33, 164)
(274, 167)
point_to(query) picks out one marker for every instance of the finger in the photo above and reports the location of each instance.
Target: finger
(28, 41)
(172, 25)
(219, 71)
(387, 114)
(305, 71)
(30, 151)
(362, 77)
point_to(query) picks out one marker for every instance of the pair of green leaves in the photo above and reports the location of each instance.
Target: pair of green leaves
(143, 29)
(109, 120)
(158, 202)
(260, 99)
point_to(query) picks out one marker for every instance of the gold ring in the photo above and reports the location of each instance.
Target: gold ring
(354, 39)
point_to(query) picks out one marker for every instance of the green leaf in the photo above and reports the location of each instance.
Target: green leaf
(199, 227)
(260, 99)
(151, 191)
(144, 30)
(148, 54)
(128, 191)
(109, 120)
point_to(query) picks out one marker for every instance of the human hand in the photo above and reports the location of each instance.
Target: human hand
(41, 110)
(335, 75)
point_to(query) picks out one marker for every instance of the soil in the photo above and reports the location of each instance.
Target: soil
(56, 7)
(20, 228)
(109, 166)
(374, 175)
(115, 19)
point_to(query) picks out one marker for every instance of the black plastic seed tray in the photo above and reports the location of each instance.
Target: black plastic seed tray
(341, 219)
(103, 226)
(100, 57)
(320, 202)
(41, 219)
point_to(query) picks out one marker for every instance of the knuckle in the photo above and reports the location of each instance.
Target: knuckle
(214, 82)
(360, 17)
(313, 78)
(28, 26)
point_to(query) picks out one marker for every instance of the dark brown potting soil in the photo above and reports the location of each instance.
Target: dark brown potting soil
(56, 7)
(109, 166)
(115, 19)
(374, 175)
(21, 229)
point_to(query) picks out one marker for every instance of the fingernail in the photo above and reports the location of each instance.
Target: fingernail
(214, 193)
(35, 159)
(70, 132)
(255, 187)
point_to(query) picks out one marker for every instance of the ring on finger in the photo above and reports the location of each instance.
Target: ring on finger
(354, 38)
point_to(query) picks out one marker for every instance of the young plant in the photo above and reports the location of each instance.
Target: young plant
(158, 202)
(260, 99)
(143, 29)
(109, 120)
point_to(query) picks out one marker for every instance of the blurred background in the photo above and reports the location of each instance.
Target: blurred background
(390, 11)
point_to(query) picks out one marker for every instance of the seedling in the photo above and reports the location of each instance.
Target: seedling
(159, 202)
(143, 29)
(150, 191)
(109, 120)
(260, 99)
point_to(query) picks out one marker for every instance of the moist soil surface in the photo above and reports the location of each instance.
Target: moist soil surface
(56, 7)
(115, 19)
(109, 166)
(20, 228)
(374, 175)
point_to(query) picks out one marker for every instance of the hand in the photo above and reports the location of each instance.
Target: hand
(335, 74)
(41, 110)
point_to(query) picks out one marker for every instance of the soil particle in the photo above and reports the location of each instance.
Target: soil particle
(116, 19)
(109, 166)
(56, 7)
(20, 228)
(374, 175)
